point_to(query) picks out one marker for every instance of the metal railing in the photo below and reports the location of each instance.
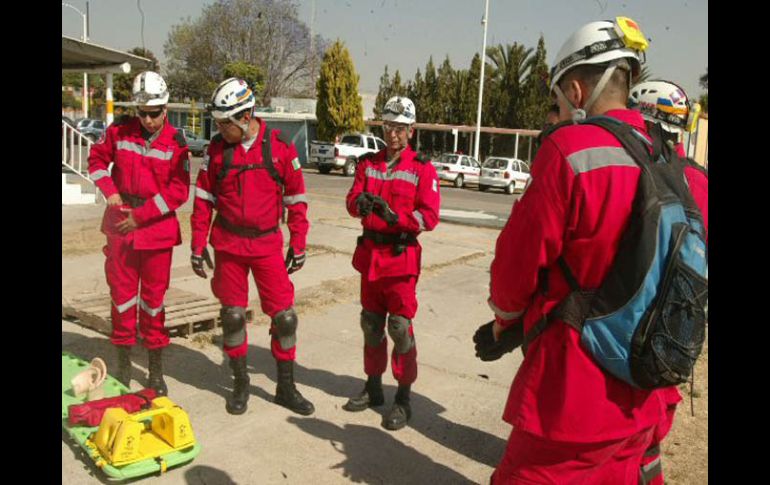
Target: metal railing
(75, 148)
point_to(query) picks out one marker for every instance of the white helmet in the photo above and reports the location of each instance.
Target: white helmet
(230, 98)
(666, 103)
(399, 110)
(149, 90)
(603, 43)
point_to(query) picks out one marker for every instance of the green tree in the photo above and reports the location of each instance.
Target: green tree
(704, 80)
(383, 94)
(339, 107)
(263, 33)
(250, 73)
(535, 98)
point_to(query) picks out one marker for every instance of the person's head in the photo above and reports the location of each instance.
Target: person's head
(594, 69)
(398, 116)
(231, 107)
(665, 103)
(150, 96)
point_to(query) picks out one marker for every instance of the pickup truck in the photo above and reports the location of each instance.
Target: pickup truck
(344, 155)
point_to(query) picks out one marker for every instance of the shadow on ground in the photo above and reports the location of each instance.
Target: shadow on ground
(371, 455)
(194, 368)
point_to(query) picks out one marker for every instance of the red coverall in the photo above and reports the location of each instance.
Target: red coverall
(572, 422)
(388, 282)
(251, 199)
(153, 177)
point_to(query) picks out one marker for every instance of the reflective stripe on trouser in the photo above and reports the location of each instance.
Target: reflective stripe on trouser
(534, 459)
(396, 296)
(125, 268)
(230, 285)
(651, 469)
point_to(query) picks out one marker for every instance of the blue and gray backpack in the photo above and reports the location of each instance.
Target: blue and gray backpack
(646, 323)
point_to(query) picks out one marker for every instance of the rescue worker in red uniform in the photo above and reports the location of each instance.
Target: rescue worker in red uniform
(396, 195)
(250, 175)
(666, 107)
(572, 422)
(149, 180)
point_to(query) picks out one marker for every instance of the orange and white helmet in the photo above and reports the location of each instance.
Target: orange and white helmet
(149, 89)
(618, 43)
(399, 109)
(666, 103)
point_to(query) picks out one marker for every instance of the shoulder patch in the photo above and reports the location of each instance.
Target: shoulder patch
(179, 137)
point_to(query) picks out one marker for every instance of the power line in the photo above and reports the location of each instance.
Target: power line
(139, 6)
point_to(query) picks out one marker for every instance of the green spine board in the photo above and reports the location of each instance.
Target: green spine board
(70, 367)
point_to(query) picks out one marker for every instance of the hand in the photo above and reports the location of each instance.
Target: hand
(364, 204)
(128, 224)
(294, 260)
(492, 344)
(197, 261)
(114, 200)
(383, 210)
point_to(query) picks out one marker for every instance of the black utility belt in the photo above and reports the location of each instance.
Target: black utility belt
(399, 240)
(250, 232)
(133, 200)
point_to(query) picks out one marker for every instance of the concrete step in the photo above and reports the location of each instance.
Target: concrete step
(72, 193)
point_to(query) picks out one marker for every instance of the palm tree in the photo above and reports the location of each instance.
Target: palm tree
(509, 67)
(645, 75)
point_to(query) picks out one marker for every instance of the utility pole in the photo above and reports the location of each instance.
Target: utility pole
(484, 22)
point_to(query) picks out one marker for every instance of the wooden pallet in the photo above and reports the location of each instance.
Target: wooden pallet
(186, 313)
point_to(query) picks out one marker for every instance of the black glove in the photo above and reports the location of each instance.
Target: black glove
(383, 210)
(487, 349)
(197, 262)
(294, 261)
(364, 204)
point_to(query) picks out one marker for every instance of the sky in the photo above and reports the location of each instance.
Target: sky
(404, 33)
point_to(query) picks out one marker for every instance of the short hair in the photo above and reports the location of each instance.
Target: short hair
(617, 86)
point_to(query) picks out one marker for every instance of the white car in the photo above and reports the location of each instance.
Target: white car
(457, 169)
(508, 174)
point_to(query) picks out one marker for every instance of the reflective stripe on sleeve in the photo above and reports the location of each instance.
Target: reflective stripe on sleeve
(502, 314)
(594, 158)
(162, 206)
(294, 199)
(417, 215)
(99, 174)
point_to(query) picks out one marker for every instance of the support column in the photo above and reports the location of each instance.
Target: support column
(110, 115)
(516, 150)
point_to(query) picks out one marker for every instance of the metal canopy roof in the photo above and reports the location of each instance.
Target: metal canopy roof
(77, 55)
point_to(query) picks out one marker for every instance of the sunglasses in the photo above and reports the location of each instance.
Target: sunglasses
(151, 114)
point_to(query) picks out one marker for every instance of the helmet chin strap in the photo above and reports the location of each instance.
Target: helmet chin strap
(581, 113)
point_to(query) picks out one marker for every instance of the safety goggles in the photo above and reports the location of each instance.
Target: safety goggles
(152, 114)
(629, 34)
(390, 127)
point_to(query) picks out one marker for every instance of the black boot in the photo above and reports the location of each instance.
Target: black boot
(237, 402)
(371, 396)
(286, 393)
(156, 372)
(400, 412)
(123, 373)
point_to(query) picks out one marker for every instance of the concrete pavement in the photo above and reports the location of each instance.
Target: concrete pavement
(455, 435)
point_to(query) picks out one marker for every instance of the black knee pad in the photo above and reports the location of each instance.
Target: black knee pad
(373, 326)
(398, 329)
(285, 325)
(233, 325)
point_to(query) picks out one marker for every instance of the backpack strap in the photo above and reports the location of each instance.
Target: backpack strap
(179, 138)
(267, 158)
(227, 162)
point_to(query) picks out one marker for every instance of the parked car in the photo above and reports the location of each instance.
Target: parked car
(92, 129)
(508, 174)
(344, 155)
(458, 169)
(197, 144)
